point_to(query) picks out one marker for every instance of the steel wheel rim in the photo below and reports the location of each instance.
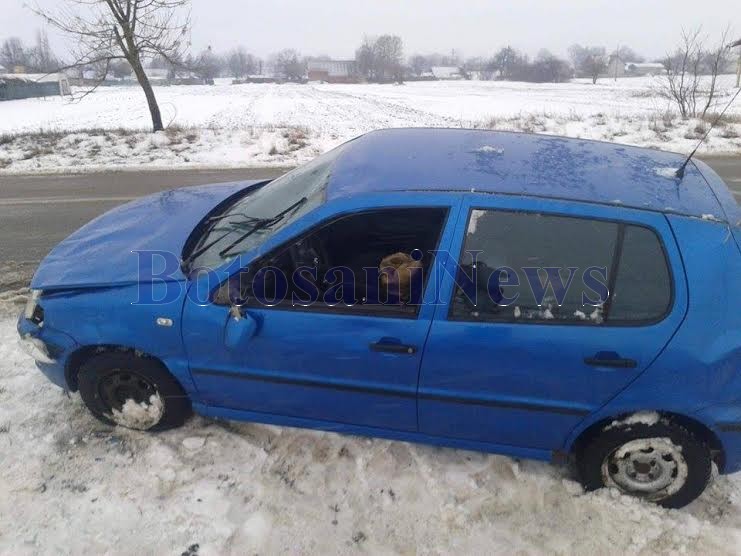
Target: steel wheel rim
(652, 468)
(120, 386)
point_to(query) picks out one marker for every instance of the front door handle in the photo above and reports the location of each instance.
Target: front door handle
(393, 347)
(610, 359)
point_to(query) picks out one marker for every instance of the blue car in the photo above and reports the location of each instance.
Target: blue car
(547, 298)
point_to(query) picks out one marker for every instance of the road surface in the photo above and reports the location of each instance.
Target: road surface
(36, 212)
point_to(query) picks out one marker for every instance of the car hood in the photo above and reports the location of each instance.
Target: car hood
(104, 251)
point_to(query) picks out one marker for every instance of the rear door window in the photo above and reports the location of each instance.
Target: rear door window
(531, 267)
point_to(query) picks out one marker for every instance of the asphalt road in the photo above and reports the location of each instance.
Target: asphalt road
(36, 212)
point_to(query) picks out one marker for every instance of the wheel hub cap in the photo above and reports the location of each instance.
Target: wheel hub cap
(653, 468)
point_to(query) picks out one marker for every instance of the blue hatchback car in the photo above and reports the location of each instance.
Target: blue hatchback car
(552, 298)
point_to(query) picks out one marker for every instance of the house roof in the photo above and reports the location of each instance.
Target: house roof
(737, 43)
(445, 71)
(520, 164)
(31, 77)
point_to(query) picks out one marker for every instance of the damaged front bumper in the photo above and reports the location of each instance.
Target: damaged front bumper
(49, 348)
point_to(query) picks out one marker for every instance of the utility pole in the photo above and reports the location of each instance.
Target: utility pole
(738, 64)
(616, 61)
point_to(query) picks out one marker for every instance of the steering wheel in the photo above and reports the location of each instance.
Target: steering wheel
(311, 254)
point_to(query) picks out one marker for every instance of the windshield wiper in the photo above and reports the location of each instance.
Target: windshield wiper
(255, 224)
(245, 217)
(235, 227)
(226, 252)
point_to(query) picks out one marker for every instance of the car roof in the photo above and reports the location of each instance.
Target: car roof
(463, 160)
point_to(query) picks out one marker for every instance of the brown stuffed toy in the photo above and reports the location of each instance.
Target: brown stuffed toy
(396, 275)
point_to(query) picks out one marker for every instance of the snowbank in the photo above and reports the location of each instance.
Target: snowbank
(268, 124)
(70, 485)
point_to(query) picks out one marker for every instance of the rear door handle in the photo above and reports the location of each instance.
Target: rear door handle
(611, 360)
(392, 347)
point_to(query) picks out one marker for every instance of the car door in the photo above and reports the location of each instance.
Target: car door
(524, 375)
(355, 365)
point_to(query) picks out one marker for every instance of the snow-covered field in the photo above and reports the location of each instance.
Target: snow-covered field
(267, 124)
(70, 485)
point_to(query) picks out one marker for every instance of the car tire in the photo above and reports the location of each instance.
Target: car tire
(663, 462)
(121, 388)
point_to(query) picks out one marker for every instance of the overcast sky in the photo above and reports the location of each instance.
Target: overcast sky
(472, 27)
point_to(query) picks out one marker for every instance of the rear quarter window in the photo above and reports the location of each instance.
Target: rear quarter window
(643, 284)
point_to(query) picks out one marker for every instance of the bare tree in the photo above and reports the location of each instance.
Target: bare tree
(120, 69)
(549, 67)
(692, 74)
(208, 65)
(388, 54)
(418, 65)
(289, 65)
(628, 55)
(13, 53)
(365, 57)
(506, 62)
(42, 57)
(589, 61)
(241, 63)
(381, 59)
(132, 30)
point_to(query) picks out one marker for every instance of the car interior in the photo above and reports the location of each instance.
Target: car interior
(354, 242)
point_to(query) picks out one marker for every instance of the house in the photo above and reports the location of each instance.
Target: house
(333, 71)
(647, 68)
(618, 68)
(15, 86)
(448, 73)
(158, 76)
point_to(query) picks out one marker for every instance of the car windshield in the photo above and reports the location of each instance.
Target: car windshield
(257, 216)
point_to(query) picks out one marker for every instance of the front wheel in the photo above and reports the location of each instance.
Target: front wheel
(122, 388)
(662, 463)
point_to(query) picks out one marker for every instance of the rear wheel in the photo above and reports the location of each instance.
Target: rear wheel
(662, 463)
(121, 388)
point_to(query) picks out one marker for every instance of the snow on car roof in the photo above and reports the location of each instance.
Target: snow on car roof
(520, 164)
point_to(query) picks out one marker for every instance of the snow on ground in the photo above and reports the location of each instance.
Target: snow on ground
(269, 124)
(71, 485)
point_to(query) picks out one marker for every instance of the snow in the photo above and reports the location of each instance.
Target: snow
(71, 485)
(670, 173)
(596, 315)
(488, 149)
(281, 125)
(140, 416)
(640, 417)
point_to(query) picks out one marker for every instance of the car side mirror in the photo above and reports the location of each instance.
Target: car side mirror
(240, 328)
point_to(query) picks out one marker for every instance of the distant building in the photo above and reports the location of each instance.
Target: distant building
(647, 68)
(163, 76)
(333, 71)
(448, 73)
(157, 76)
(14, 86)
(617, 68)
